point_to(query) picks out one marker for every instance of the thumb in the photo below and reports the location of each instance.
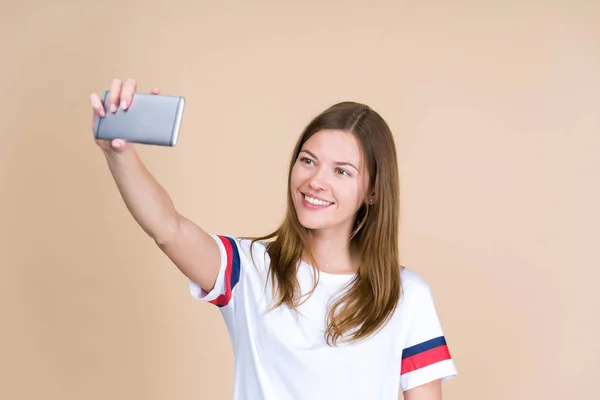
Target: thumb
(119, 145)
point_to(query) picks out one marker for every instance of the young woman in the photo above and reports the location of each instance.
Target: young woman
(321, 308)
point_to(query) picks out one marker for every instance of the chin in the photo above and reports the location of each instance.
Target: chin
(311, 224)
(310, 221)
(316, 222)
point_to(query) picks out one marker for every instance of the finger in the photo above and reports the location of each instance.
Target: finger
(127, 92)
(155, 91)
(97, 105)
(118, 144)
(115, 93)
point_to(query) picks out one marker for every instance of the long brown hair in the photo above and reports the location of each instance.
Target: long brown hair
(374, 292)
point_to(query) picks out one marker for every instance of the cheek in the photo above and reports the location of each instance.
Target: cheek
(296, 177)
(300, 175)
(349, 194)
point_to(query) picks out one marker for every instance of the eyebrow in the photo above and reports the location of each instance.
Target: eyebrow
(337, 162)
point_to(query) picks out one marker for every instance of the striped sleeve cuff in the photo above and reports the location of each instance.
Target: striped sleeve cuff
(425, 362)
(228, 277)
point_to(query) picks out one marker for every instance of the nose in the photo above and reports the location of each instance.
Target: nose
(317, 181)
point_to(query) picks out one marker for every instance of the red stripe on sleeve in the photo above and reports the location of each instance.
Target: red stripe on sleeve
(224, 299)
(424, 359)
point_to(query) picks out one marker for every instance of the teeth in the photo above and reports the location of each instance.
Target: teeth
(316, 202)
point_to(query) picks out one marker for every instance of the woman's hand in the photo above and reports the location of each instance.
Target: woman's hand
(120, 95)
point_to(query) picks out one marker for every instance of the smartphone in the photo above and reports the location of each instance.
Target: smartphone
(152, 119)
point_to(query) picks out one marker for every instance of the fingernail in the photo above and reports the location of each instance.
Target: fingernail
(101, 113)
(123, 104)
(113, 108)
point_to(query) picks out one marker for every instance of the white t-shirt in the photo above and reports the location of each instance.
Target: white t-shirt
(281, 355)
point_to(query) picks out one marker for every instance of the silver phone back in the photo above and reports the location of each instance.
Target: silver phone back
(150, 119)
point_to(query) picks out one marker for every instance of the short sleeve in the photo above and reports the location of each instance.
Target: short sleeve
(425, 355)
(221, 294)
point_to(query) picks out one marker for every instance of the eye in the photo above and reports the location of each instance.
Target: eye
(342, 172)
(306, 161)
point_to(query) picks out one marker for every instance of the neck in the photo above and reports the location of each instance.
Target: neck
(332, 252)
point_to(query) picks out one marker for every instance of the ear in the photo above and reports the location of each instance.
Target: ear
(371, 199)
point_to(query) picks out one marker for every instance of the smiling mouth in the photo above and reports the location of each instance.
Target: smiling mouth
(316, 202)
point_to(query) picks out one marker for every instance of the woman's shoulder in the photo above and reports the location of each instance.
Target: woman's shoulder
(246, 249)
(410, 278)
(414, 286)
(243, 243)
(254, 246)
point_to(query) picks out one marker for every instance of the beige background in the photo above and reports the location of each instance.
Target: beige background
(495, 109)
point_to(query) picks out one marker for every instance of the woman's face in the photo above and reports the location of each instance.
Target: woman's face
(328, 181)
